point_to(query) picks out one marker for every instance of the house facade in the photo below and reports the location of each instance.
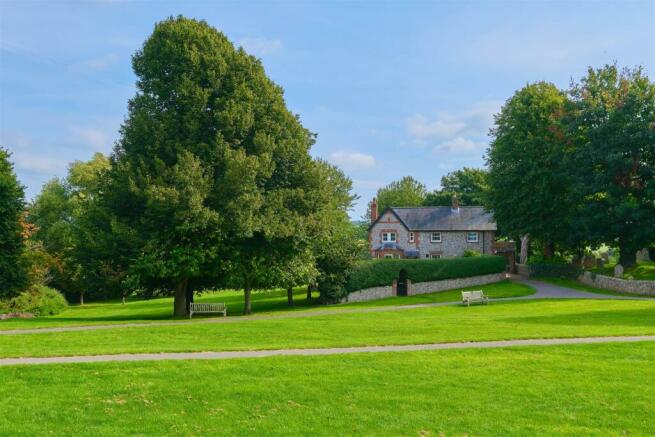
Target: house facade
(431, 232)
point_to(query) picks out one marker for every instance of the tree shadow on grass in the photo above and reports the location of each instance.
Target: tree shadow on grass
(644, 317)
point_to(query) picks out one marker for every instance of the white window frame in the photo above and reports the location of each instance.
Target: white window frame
(436, 234)
(435, 256)
(411, 237)
(388, 256)
(389, 237)
(474, 240)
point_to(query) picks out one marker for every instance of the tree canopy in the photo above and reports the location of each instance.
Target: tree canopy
(212, 171)
(405, 192)
(528, 187)
(611, 158)
(12, 274)
(468, 184)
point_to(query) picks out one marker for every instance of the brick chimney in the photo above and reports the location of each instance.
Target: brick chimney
(374, 210)
(455, 203)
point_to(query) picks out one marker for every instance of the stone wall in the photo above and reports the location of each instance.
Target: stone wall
(450, 284)
(616, 284)
(375, 293)
(453, 243)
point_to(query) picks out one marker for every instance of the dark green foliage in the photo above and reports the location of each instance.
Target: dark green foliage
(213, 172)
(468, 184)
(38, 300)
(379, 272)
(470, 253)
(528, 186)
(12, 273)
(611, 158)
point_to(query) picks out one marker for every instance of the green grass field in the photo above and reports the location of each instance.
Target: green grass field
(498, 320)
(601, 389)
(581, 390)
(643, 271)
(156, 310)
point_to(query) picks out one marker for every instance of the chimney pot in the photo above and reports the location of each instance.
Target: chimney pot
(374, 210)
(455, 203)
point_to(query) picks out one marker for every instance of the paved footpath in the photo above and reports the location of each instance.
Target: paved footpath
(543, 291)
(323, 351)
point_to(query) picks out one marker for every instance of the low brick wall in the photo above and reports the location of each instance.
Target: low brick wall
(375, 293)
(616, 284)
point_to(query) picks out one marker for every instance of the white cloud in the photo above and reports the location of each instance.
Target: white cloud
(92, 137)
(448, 125)
(261, 46)
(458, 145)
(366, 184)
(38, 163)
(352, 160)
(97, 64)
(532, 49)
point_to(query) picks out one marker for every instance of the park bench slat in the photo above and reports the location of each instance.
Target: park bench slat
(206, 308)
(474, 296)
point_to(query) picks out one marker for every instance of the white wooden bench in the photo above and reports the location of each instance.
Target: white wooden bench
(474, 296)
(206, 308)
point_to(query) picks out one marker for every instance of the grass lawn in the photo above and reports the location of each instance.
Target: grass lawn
(144, 311)
(643, 271)
(498, 320)
(558, 390)
(572, 283)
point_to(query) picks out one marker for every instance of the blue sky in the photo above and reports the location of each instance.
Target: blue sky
(391, 88)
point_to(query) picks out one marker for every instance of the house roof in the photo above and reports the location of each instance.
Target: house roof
(445, 218)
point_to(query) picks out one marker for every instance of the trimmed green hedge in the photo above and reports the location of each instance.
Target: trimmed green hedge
(377, 272)
(555, 270)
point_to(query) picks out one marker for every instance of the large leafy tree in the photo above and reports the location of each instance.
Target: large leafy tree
(612, 158)
(212, 171)
(468, 184)
(528, 184)
(75, 230)
(405, 192)
(12, 274)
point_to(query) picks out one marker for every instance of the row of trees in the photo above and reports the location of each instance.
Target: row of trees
(576, 168)
(468, 184)
(211, 185)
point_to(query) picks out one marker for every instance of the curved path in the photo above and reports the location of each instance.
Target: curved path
(323, 351)
(543, 291)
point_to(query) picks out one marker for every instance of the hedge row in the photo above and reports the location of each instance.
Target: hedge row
(377, 272)
(555, 270)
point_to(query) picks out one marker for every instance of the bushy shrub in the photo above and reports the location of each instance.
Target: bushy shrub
(377, 272)
(38, 300)
(470, 253)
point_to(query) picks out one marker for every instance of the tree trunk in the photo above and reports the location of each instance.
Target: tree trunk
(247, 307)
(81, 298)
(309, 292)
(179, 303)
(627, 255)
(549, 249)
(290, 296)
(525, 249)
(123, 299)
(189, 299)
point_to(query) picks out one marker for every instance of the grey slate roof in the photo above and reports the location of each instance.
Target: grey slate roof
(444, 218)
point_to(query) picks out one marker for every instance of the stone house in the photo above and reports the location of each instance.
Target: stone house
(430, 232)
